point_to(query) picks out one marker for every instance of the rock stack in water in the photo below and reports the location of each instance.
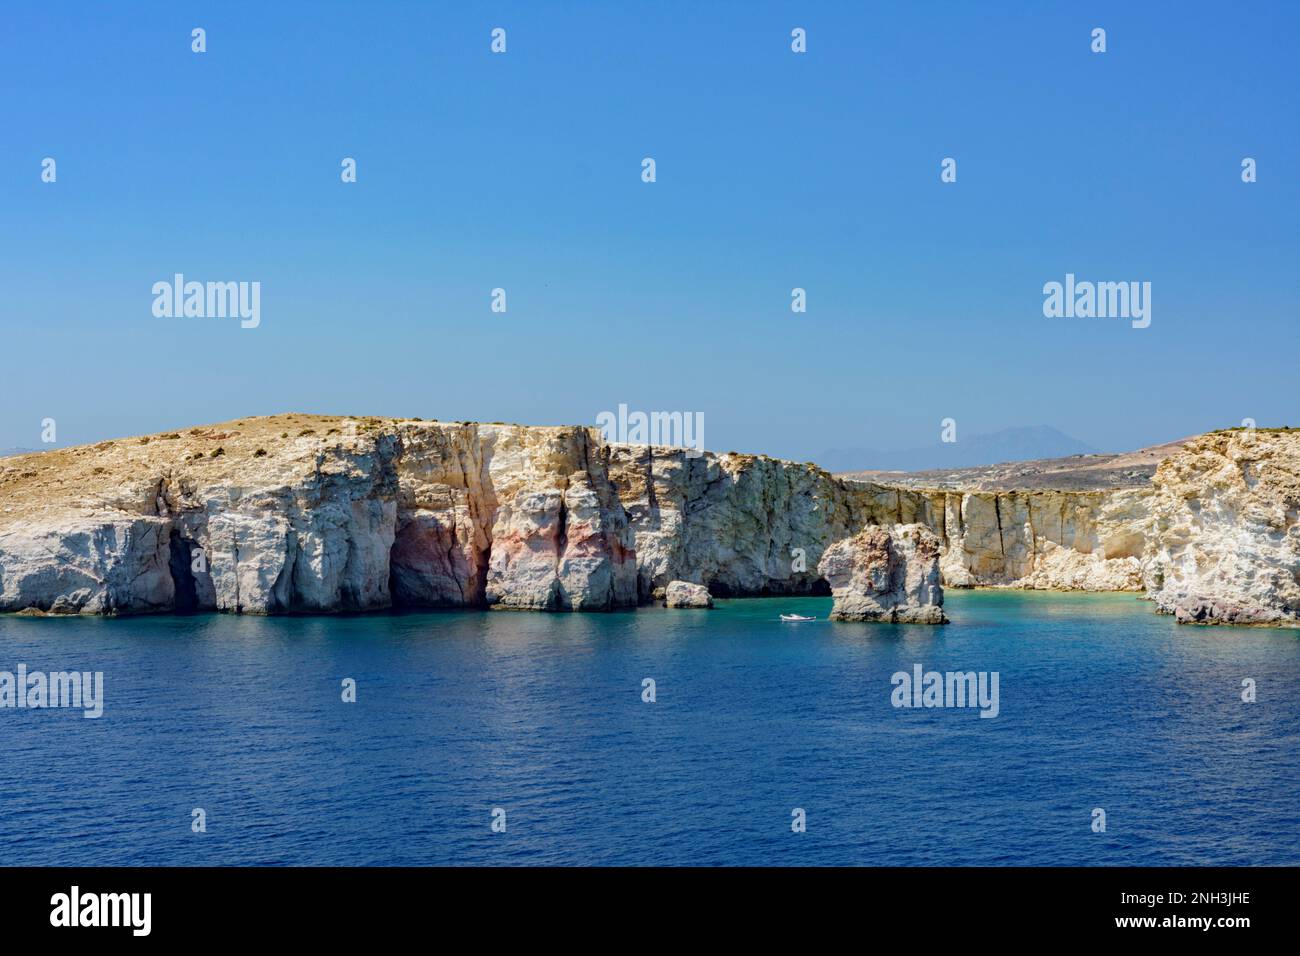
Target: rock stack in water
(685, 594)
(886, 574)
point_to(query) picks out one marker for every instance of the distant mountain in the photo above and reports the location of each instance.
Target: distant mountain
(1009, 444)
(6, 452)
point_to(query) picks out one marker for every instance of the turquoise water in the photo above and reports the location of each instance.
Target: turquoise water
(1102, 705)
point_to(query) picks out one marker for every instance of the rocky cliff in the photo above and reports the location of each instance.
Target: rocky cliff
(755, 525)
(1224, 535)
(297, 513)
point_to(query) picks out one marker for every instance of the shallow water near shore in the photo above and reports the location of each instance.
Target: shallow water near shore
(1103, 704)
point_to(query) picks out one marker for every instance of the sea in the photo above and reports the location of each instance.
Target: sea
(657, 737)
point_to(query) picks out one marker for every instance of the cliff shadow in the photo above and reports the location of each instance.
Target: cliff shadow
(186, 600)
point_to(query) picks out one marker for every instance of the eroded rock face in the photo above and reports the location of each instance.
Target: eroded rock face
(297, 513)
(69, 566)
(1226, 523)
(560, 539)
(445, 508)
(685, 594)
(754, 525)
(268, 516)
(886, 574)
(1051, 540)
(744, 524)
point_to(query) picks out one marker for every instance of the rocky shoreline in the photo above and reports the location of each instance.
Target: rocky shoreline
(318, 514)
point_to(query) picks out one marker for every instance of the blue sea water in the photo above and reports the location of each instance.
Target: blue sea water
(1103, 704)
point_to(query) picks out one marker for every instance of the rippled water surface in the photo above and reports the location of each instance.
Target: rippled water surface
(1103, 705)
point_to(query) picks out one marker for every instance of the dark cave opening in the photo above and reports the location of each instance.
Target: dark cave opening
(186, 600)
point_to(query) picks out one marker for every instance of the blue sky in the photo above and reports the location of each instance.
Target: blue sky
(775, 170)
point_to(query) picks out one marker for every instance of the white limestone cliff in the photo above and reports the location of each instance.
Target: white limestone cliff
(265, 516)
(297, 513)
(753, 525)
(1225, 542)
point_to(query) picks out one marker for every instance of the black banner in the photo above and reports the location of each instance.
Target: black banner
(340, 905)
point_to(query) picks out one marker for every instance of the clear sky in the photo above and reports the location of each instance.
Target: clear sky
(774, 170)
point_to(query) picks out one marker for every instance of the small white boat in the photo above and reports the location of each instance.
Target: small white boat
(796, 617)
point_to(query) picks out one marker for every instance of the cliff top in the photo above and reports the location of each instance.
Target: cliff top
(263, 451)
(122, 474)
